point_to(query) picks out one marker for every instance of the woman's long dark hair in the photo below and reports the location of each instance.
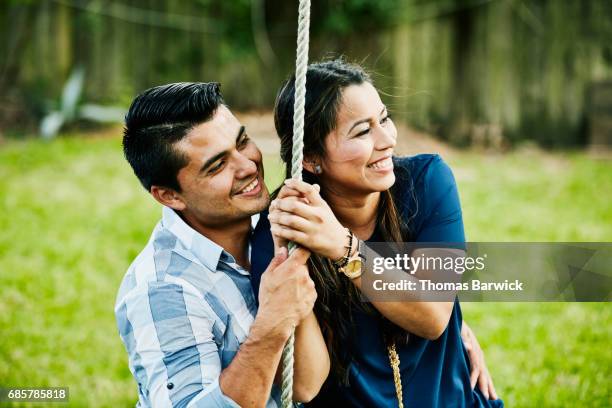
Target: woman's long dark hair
(337, 296)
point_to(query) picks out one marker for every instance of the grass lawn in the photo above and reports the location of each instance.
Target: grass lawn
(74, 216)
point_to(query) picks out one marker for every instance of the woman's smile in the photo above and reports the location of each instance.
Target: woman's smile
(383, 165)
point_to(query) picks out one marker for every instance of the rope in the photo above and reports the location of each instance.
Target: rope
(301, 65)
(394, 360)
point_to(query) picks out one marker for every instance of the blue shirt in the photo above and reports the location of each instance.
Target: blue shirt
(183, 309)
(434, 373)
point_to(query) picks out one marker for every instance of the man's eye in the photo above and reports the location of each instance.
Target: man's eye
(216, 167)
(385, 119)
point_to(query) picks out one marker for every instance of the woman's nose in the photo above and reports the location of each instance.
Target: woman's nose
(386, 138)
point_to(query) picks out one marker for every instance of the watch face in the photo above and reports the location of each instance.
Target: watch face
(353, 268)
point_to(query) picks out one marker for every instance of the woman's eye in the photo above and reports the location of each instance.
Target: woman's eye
(245, 140)
(363, 132)
(385, 119)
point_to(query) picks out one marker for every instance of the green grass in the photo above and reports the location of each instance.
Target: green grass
(74, 216)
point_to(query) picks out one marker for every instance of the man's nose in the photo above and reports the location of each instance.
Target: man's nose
(245, 167)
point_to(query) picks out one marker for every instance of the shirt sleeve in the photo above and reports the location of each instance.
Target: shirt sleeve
(443, 219)
(168, 331)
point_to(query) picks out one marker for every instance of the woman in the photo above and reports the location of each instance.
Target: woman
(368, 195)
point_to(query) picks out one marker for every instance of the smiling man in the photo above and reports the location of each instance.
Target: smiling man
(186, 310)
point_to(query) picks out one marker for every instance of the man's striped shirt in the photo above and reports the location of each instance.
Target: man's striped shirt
(183, 309)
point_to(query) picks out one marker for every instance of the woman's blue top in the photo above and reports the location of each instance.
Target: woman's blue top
(435, 373)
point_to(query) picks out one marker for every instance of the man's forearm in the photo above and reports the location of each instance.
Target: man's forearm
(248, 379)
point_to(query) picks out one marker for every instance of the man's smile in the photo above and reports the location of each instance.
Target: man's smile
(252, 188)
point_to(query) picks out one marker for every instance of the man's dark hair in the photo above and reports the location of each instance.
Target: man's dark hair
(159, 118)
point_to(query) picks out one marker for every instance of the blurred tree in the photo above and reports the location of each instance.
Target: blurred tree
(472, 71)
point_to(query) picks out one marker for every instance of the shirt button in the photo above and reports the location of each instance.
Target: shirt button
(170, 386)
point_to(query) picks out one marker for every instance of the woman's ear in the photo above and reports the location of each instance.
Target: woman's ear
(168, 197)
(312, 165)
(308, 165)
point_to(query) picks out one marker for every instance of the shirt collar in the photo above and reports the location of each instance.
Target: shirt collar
(207, 251)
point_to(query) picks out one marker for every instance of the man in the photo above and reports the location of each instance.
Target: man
(186, 312)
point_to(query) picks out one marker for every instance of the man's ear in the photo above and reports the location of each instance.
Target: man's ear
(168, 197)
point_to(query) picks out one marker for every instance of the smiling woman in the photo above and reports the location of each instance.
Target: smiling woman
(383, 353)
(358, 150)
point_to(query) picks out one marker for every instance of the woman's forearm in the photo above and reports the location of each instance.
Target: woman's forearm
(425, 319)
(312, 362)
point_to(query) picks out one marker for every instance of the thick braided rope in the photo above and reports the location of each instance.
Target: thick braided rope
(301, 65)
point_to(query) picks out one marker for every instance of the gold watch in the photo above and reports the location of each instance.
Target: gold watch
(353, 267)
(354, 264)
